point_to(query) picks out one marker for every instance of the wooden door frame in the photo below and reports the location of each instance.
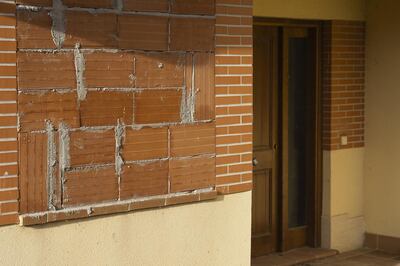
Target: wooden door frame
(317, 195)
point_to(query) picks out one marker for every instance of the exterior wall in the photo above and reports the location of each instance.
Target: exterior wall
(8, 115)
(343, 223)
(216, 232)
(311, 9)
(382, 152)
(234, 95)
(210, 233)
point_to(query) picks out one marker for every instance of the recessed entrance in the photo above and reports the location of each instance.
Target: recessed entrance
(286, 195)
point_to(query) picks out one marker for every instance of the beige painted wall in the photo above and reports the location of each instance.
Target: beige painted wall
(311, 9)
(382, 162)
(209, 233)
(343, 223)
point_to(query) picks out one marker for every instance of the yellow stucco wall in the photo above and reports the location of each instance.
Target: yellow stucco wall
(311, 9)
(343, 223)
(382, 161)
(209, 233)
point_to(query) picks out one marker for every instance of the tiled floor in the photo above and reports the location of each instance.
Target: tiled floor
(363, 257)
(312, 257)
(293, 257)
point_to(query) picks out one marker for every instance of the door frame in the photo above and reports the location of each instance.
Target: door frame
(314, 237)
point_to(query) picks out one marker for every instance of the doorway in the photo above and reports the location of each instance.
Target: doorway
(287, 196)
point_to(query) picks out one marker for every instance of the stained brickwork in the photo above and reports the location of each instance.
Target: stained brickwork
(343, 84)
(122, 105)
(116, 108)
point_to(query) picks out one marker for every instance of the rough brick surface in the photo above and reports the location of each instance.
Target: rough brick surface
(34, 29)
(195, 7)
(157, 106)
(192, 140)
(33, 172)
(192, 173)
(90, 186)
(109, 70)
(121, 105)
(46, 71)
(105, 108)
(145, 144)
(140, 180)
(146, 5)
(91, 147)
(190, 34)
(99, 30)
(159, 70)
(143, 32)
(56, 107)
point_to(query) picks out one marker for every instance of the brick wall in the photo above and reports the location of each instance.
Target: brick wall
(343, 84)
(8, 115)
(234, 95)
(140, 104)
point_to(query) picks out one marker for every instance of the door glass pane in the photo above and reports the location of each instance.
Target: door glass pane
(297, 131)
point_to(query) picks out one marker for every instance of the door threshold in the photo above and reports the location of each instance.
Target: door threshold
(293, 257)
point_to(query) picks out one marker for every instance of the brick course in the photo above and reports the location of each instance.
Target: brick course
(343, 84)
(8, 119)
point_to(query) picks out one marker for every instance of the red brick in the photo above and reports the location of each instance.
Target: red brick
(109, 70)
(90, 186)
(192, 34)
(34, 29)
(145, 144)
(89, 3)
(159, 70)
(141, 180)
(190, 140)
(105, 108)
(46, 70)
(92, 147)
(146, 5)
(143, 32)
(157, 106)
(56, 107)
(192, 173)
(90, 29)
(9, 219)
(204, 86)
(8, 207)
(33, 172)
(194, 7)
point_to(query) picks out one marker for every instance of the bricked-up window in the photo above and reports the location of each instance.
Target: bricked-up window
(116, 106)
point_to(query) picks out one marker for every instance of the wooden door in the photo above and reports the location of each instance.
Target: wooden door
(299, 128)
(265, 140)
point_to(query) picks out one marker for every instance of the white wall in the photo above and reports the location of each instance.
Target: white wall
(208, 233)
(382, 161)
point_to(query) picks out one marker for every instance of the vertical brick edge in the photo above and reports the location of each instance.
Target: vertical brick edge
(234, 95)
(8, 115)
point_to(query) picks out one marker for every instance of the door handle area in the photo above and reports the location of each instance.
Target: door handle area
(275, 147)
(255, 162)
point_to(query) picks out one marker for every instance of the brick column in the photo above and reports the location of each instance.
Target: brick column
(343, 84)
(234, 103)
(8, 116)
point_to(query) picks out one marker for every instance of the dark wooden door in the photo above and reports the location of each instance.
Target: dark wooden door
(265, 141)
(286, 138)
(298, 135)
